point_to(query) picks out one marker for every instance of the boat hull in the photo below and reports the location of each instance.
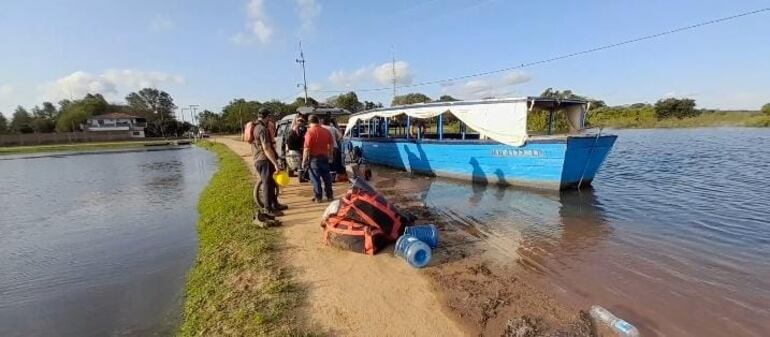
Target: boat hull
(551, 163)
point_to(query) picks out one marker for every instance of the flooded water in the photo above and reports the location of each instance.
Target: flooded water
(98, 244)
(674, 237)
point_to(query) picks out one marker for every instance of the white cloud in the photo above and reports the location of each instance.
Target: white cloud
(341, 78)
(371, 75)
(161, 24)
(111, 83)
(516, 77)
(308, 11)
(257, 26)
(384, 73)
(6, 90)
(497, 88)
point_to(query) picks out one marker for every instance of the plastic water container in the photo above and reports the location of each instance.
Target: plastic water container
(414, 251)
(426, 233)
(621, 327)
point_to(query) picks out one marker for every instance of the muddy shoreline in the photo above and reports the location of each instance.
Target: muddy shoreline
(486, 295)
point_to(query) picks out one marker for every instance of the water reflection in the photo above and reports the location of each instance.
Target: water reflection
(99, 244)
(512, 225)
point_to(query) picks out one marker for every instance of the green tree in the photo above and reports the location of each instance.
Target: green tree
(3, 124)
(157, 107)
(49, 111)
(74, 113)
(43, 121)
(279, 109)
(210, 121)
(371, 105)
(675, 108)
(568, 94)
(21, 121)
(152, 104)
(348, 101)
(300, 101)
(766, 109)
(236, 113)
(411, 98)
(447, 98)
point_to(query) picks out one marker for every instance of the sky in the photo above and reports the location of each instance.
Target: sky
(209, 52)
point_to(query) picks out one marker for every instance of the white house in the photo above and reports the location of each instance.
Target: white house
(117, 121)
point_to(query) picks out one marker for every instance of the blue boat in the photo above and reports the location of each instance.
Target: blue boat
(488, 143)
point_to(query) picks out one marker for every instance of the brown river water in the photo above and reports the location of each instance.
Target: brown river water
(674, 237)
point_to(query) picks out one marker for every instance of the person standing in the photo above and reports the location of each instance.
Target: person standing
(294, 141)
(316, 154)
(336, 140)
(266, 163)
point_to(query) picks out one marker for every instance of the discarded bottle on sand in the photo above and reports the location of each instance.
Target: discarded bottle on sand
(621, 327)
(414, 251)
(426, 233)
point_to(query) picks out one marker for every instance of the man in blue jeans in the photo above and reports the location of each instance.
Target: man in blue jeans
(316, 155)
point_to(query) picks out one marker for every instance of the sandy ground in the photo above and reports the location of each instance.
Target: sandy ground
(351, 294)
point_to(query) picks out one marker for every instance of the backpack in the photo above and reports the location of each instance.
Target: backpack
(364, 221)
(248, 132)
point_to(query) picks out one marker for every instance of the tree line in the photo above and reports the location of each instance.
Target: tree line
(158, 107)
(155, 106)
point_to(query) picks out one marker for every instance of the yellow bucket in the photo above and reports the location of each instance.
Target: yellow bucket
(281, 178)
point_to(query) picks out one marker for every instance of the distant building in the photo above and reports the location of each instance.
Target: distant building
(117, 121)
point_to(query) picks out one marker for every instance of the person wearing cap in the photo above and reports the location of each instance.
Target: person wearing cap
(266, 162)
(317, 151)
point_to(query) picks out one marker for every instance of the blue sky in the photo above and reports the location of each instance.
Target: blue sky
(208, 52)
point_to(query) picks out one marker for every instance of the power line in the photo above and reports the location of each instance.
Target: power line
(564, 56)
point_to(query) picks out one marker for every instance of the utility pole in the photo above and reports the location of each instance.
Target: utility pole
(301, 60)
(181, 111)
(193, 116)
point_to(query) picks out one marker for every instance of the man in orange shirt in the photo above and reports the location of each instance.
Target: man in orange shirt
(316, 155)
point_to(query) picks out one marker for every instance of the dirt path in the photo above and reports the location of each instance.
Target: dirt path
(353, 294)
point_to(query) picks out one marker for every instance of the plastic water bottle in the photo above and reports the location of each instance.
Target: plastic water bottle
(621, 327)
(414, 251)
(426, 233)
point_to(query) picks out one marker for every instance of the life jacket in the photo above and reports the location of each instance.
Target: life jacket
(248, 132)
(364, 222)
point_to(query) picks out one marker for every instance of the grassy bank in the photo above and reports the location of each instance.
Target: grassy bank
(237, 286)
(73, 147)
(644, 117)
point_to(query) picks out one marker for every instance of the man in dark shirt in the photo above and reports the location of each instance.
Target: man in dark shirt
(266, 163)
(317, 153)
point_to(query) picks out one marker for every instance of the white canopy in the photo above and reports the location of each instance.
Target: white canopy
(503, 120)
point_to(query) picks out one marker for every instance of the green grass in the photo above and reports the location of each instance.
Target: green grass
(72, 147)
(644, 117)
(238, 286)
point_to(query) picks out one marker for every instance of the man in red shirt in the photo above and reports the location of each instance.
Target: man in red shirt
(316, 154)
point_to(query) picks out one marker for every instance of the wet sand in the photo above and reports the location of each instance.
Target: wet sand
(482, 291)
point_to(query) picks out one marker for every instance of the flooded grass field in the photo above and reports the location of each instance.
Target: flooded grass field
(674, 236)
(98, 244)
